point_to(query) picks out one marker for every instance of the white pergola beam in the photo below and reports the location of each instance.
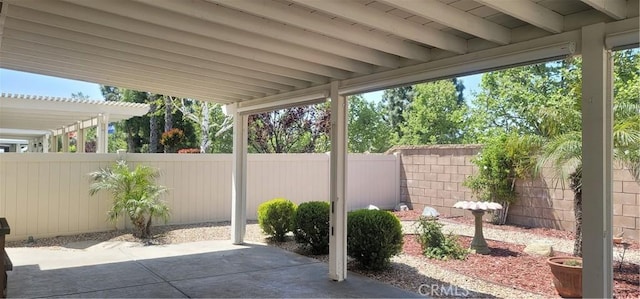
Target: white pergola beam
(616, 9)
(88, 74)
(530, 12)
(243, 21)
(597, 179)
(330, 28)
(241, 82)
(168, 20)
(61, 48)
(119, 28)
(389, 23)
(455, 18)
(105, 71)
(338, 185)
(188, 56)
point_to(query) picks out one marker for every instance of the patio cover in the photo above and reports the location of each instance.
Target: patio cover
(28, 117)
(257, 55)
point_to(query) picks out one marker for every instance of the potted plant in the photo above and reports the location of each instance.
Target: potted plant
(567, 275)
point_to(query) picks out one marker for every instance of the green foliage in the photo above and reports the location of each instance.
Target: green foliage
(276, 217)
(503, 159)
(394, 103)
(172, 139)
(437, 245)
(368, 131)
(312, 226)
(135, 194)
(435, 116)
(373, 237)
(301, 129)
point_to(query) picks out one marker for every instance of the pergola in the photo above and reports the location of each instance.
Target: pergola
(42, 120)
(256, 56)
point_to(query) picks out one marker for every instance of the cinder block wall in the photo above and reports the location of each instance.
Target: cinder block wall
(433, 175)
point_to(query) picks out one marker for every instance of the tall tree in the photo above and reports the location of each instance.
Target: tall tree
(293, 130)
(459, 85)
(154, 140)
(201, 113)
(518, 99)
(168, 113)
(395, 102)
(435, 116)
(368, 131)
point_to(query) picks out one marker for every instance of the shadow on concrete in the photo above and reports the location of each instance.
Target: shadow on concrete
(247, 271)
(431, 287)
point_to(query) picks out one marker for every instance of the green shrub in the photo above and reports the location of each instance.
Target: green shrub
(276, 217)
(373, 237)
(312, 226)
(437, 245)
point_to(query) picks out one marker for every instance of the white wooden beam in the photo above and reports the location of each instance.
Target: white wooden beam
(119, 70)
(616, 9)
(338, 186)
(389, 23)
(455, 18)
(84, 73)
(4, 11)
(328, 27)
(290, 34)
(239, 178)
(597, 180)
(103, 24)
(165, 19)
(55, 46)
(530, 12)
(189, 56)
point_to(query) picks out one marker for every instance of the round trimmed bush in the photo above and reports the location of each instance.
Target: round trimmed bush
(312, 226)
(373, 237)
(275, 217)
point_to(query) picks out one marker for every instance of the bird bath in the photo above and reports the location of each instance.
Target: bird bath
(478, 208)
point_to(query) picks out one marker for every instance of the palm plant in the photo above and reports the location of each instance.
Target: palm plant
(563, 153)
(135, 194)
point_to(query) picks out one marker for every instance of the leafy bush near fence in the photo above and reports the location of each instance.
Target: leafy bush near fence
(373, 237)
(312, 226)
(275, 217)
(435, 244)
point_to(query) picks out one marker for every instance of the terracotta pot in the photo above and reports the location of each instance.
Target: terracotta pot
(567, 279)
(617, 240)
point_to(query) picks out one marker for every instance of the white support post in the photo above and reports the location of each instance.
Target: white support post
(239, 177)
(597, 145)
(45, 143)
(54, 143)
(102, 133)
(65, 140)
(338, 186)
(80, 138)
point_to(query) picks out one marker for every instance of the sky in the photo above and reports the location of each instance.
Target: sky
(16, 82)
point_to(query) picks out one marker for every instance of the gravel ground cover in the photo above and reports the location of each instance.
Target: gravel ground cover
(506, 273)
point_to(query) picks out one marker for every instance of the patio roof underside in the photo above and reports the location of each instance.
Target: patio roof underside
(25, 117)
(261, 52)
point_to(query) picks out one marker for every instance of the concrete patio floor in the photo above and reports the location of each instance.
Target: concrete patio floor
(188, 270)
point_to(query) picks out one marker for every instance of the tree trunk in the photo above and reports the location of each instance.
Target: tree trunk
(147, 229)
(153, 128)
(131, 145)
(205, 126)
(577, 210)
(168, 113)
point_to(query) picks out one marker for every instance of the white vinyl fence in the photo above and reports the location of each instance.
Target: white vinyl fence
(44, 195)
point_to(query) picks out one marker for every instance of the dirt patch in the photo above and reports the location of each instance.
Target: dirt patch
(508, 266)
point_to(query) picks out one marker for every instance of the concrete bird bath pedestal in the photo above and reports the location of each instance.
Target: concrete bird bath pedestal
(478, 208)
